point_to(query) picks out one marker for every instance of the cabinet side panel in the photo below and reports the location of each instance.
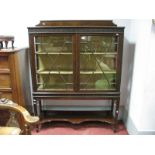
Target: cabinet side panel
(120, 50)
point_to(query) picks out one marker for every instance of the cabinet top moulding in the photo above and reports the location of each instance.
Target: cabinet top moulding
(75, 26)
(77, 23)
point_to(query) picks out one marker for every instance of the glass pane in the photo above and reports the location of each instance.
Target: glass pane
(54, 62)
(98, 58)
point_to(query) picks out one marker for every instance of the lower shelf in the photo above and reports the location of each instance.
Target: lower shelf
(109, 120)
(78, 117)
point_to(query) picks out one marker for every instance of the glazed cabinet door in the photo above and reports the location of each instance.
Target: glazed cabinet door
(76, 62)
(98, 65)
(54, 62)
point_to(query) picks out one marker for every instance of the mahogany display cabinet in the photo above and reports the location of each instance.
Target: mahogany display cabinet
(76, 60)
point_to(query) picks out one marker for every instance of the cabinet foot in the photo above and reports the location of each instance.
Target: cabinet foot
(38, 128)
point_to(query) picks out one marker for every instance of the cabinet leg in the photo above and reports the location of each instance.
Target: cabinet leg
(37, 111)
(38, 127)
(112, 106)
(115, 127)
(35, 107)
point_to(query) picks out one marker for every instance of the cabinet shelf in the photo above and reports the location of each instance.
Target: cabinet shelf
(46, 43)
(93, 89)
(54, 87)
(100, 53)
(108, 54)
(78, 120)
(91, 83)
(54, 84)
(86, 42)
(97, 72)
(53, 53)
(48, 72)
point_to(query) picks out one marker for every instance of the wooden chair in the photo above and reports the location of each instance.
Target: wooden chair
(20, 121)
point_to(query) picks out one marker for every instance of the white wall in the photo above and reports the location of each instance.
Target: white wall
(138, 90)
(148, 109)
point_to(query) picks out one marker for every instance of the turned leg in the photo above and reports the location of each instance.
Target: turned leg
(116, 115)
(37, 112)
(112, 106)
(35, 107)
